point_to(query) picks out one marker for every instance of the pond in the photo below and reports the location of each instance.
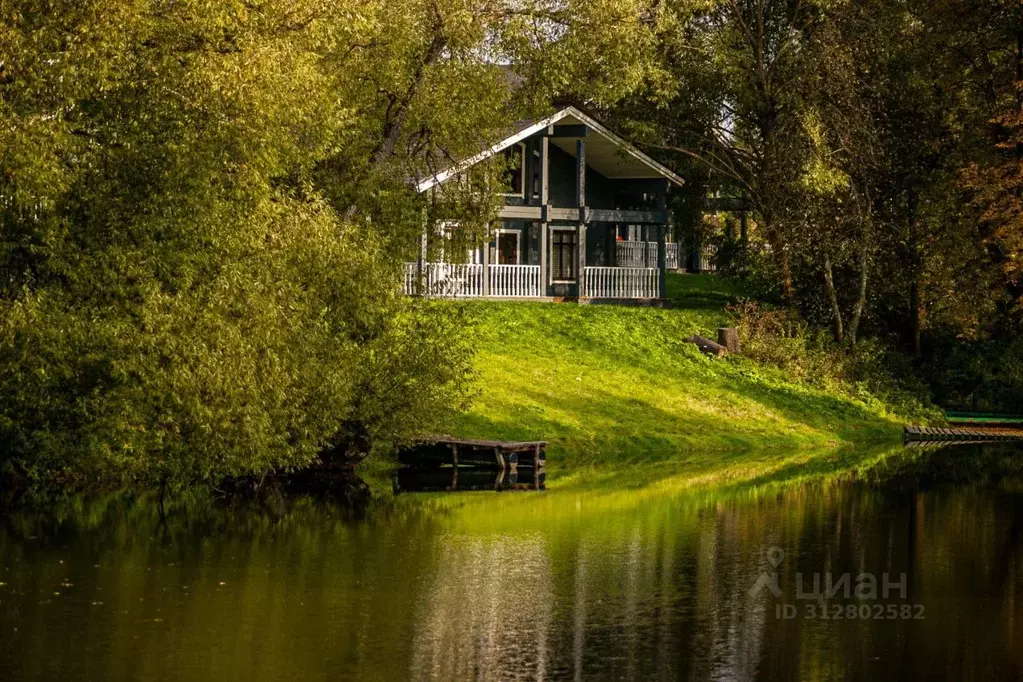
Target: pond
(911, 566)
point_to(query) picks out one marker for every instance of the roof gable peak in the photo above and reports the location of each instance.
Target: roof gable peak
(632, 158)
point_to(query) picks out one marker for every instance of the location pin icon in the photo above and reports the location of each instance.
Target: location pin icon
(775, 555)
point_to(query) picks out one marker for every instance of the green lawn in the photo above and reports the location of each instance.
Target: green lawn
(610, 383)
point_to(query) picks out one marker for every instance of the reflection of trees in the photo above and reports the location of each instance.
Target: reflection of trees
(654, 589)
(238, 592)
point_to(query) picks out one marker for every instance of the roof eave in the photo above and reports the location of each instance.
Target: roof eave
(459, 168)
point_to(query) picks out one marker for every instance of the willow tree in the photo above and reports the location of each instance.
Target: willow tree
(180, 298)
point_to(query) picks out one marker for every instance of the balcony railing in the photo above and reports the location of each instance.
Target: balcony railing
(621, 283)
(644, 255)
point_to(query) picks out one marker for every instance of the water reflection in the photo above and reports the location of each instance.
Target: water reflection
(488, 612)
(645, 583)
(410, 480)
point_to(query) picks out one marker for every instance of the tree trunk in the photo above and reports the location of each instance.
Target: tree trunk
(394, 123)
(829, 288)
(917, 313)
(397, 110)
(915, 293)
(781, 253)
(788, 291)
(861, 299)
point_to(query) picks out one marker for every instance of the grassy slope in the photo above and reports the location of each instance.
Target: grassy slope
(608, 382)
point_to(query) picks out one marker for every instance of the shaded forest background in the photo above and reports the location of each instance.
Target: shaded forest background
(205, 207)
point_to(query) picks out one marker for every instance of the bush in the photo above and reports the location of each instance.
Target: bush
(866, 371)
(306, 346)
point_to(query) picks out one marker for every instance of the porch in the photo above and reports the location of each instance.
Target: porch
(533, 260)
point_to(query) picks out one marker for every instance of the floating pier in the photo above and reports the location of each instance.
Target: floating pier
(442, 451)
(974, 434)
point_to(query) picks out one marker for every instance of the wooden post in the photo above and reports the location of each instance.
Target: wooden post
(486, 266)
(580, 153)
(580, 167)
(729, 338)
(528, 164)
(545, 268)
(421, 260)
(581, 274)
(454, 455)
(662, 263)
(744, 239)
(545, 166)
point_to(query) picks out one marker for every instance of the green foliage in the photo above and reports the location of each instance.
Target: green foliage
(868, 371)
(878, 146)
(183, 297)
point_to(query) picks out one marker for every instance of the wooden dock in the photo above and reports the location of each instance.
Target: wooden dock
(974, 434)
(454, 479)
(444, 451)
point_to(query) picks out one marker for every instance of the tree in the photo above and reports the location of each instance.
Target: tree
(180, 299)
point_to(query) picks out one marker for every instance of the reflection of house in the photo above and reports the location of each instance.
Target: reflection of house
(487, 613)
(585, 216)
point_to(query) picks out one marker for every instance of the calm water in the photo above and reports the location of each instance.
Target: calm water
(654, 582)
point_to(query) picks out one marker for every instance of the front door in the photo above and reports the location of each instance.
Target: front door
(508, 248)
(564, 255)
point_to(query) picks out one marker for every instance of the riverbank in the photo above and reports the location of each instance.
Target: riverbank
(621, 384)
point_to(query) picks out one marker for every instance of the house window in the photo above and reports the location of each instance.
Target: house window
(515, 170)
(564, 255)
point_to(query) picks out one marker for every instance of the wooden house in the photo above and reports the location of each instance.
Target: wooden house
(586, 216)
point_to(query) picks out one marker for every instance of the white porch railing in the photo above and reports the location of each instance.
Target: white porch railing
(622, 283)
(515, 281)
(644, 254)
(446, 280)
(523, 281)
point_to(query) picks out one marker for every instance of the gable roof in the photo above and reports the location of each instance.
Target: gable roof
(606, 153)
